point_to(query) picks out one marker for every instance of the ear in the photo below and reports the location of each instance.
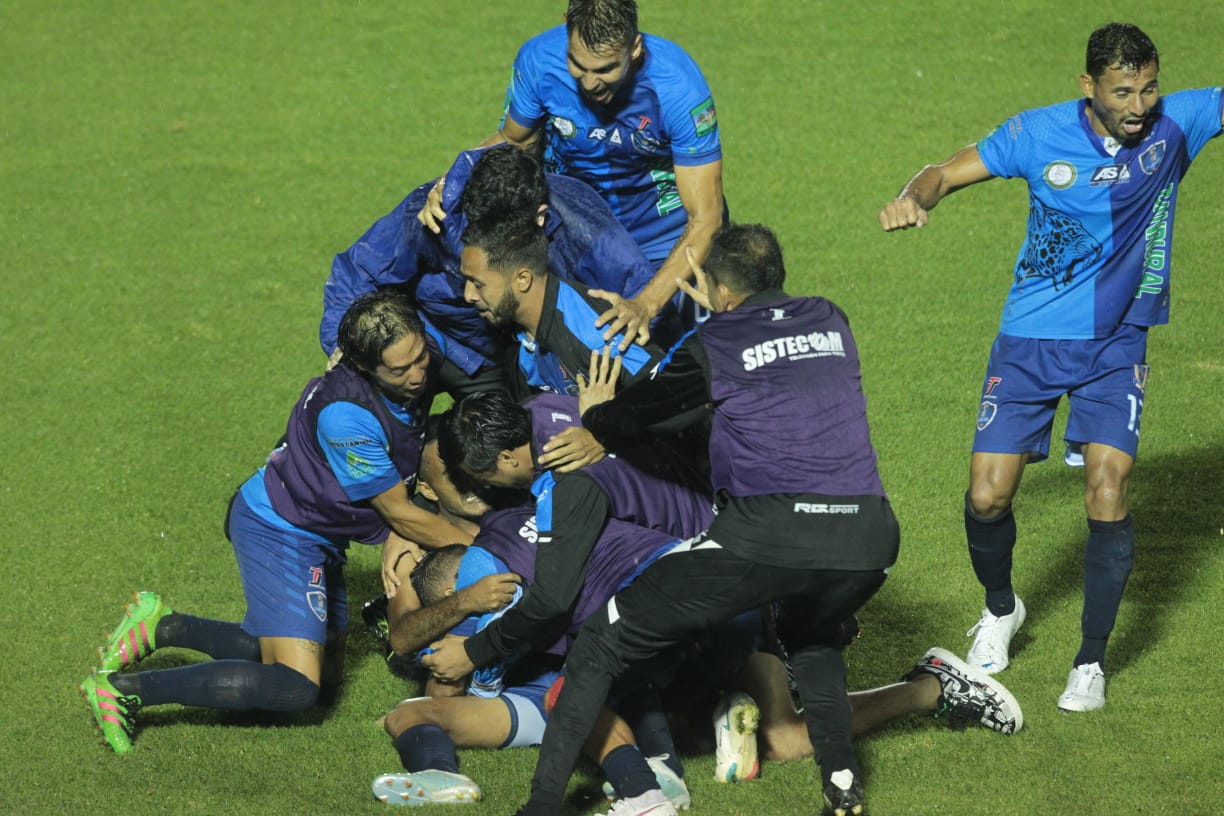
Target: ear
(522, 279)
(635, 52)
(425, 490)
(507, 458)
(540, 215)
(1087, 85)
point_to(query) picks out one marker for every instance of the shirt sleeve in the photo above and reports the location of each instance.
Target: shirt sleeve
(387, 254)
(677, 388)
(689, 112)
(356, 449)
(570, 514)
(1004, 150)
(523, 103)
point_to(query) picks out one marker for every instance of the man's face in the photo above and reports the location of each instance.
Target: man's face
(602, 71)
(513, 471)
(487, 289)
(455, 503)
(403, 374)
(1123, 102)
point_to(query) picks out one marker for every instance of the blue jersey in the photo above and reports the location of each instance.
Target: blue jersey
(663, 117)
(585, 243)
(1100, 228)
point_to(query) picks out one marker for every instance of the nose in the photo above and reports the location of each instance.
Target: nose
(469, 292)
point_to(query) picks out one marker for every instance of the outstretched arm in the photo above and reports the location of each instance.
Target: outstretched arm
(913, 204)
(701, 193)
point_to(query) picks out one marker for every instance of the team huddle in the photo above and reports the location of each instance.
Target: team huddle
(657, 463)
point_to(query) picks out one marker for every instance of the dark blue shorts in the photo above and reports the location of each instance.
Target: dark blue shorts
(293, 582)
(1103, 380)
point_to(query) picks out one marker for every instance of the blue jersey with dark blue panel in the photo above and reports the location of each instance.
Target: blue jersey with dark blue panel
(1100, 228)
(662, 117)
(564, 340)
(585, 243)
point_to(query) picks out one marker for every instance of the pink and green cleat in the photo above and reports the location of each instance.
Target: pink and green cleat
(133, 639)
(113, 712)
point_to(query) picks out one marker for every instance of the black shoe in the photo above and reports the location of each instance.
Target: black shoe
(843, 795)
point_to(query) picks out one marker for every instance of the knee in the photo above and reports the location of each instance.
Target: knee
(985, 501)
(1105, 497)
(294, 690)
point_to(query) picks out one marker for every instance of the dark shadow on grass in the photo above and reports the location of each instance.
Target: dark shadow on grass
(1172, 538)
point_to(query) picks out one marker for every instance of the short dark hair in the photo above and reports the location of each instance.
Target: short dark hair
(504, 181)
(510, 242)
(373, 322)
(1119, 44)
(478, 428)
(746, 258)
(433, 576)
(603, 24)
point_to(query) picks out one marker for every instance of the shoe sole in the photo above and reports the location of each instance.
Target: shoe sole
(396, 790)
(983, 677)
(743, 717)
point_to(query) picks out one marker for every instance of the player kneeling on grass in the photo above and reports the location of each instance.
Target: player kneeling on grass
(504, 705)
(342, 472)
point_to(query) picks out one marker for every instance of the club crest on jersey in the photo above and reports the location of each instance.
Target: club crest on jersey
(564, 127)
(986, 414)
(1108, 175)
(644, 141)
(1151, 158)
(318, 604)
(1141, 375)
(1060, 174)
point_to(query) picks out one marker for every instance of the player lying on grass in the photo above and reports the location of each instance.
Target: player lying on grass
(504, 703)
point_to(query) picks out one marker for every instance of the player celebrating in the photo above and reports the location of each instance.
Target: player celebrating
(1091, 277)
(343, 472)
(631, 115)
(802, 514)
(585, 243)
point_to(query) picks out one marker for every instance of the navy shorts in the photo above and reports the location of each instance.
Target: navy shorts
(293, 581)
(1103, 380)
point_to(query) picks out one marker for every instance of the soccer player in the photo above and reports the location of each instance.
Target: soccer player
(631, 115)
(585, 243)
(504, 706)
(497, 441)
(342, 472)
(802, 519)
(507, 281)
(1091, 278)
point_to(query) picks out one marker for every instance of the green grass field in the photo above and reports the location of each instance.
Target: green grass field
(176, 177)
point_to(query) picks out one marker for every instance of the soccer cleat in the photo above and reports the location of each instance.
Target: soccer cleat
(994, 634)
(843, 794)
(1085, 689)
(968, 695)
(650, 803)
(673, 786)
(113, 712)
(735, 747)
(427, 787)
(133, 639)
(374, 616)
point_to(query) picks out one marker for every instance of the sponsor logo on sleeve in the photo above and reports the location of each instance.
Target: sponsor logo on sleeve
(705, 118)
(357, 466)
(564, 127)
